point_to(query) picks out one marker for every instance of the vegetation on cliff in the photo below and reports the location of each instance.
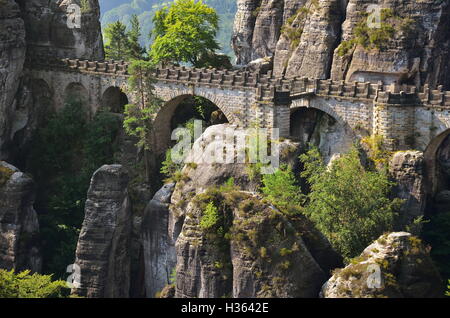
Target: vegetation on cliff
(347, 202)
(65, 152)
(26, 285)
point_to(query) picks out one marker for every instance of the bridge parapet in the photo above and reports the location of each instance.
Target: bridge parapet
(388, 94)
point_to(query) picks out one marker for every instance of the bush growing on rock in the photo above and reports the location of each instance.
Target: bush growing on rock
(282, 190)
(348, 203)
(25, 285)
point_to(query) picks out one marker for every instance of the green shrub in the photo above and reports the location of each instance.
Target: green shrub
(447, 293)
(24, 285)
(281, 189)
(169, 168)
(210, 217)
(349, 204)
(376, 38)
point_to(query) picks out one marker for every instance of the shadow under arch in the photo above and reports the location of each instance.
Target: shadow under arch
(311, 125)
(164, 124)
(431, 161)
(76, 92)
(114, 100)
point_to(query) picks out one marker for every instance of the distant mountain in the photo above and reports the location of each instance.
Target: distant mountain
(113, 10)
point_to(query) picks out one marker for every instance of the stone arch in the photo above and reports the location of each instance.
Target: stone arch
(114, 99)
(170, 93)
(431, 160)
(312, 125)
(162, 124)
(76, 91)
(324, 107)
(42, 94)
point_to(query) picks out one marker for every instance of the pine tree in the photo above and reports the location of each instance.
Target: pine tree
(116, 40)
(135, 50)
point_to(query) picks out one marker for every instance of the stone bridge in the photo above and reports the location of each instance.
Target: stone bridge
(407, 116)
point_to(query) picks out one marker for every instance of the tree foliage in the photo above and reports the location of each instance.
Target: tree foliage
(135, 50)
(184, 32)
(25, 285)
(116, 41)
(282, 190)
(349, 204)
(65, 151)
(139, 116)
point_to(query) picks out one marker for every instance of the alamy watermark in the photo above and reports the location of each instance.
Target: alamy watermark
(232, 145)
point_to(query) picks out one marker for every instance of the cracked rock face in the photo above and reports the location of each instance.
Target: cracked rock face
(407, 170)
(19, 226)
(49, 33)
(304, 38)
(396, 265)
(247, 261)
(104, 243)
(159, 249)
(418, 54)
(12, 57)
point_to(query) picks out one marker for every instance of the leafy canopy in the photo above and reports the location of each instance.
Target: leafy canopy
(184, 32)
(116, 41)
(348, 203)
(24, 285)
(282, 190)
(139, 116)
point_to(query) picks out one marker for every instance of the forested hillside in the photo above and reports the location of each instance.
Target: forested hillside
(113, 10)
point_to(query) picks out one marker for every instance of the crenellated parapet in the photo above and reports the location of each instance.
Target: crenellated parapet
(405, 115)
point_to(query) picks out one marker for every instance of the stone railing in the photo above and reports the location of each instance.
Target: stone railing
(267, 86)
(381, 93)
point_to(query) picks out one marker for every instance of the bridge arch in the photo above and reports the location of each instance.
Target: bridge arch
(77, 92)
(312, 125)
(114, 99)
(435, 153)
(164, 122)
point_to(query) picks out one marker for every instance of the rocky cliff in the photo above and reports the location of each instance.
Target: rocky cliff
(339, 39)
(31, 30)
(396, 265)
(12, 58)
(57, 28)
(19, 226)
(103, 250)
(251, 249)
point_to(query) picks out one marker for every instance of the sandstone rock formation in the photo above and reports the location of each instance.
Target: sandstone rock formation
(396, 265)
(416, 53)
(253, 250)
(12, 57)
(50, 34)
(103, 250)
(19, 226)
(407, 171)
(313, 38)
(32, 31)
(307, 42)
(159, 249)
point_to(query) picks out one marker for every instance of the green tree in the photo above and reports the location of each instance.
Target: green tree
(139, 117)
(184, 32)
(282, 190)
(349, 204)
(135, 50)
(24, 285)
(116, 41)
(65, 151)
